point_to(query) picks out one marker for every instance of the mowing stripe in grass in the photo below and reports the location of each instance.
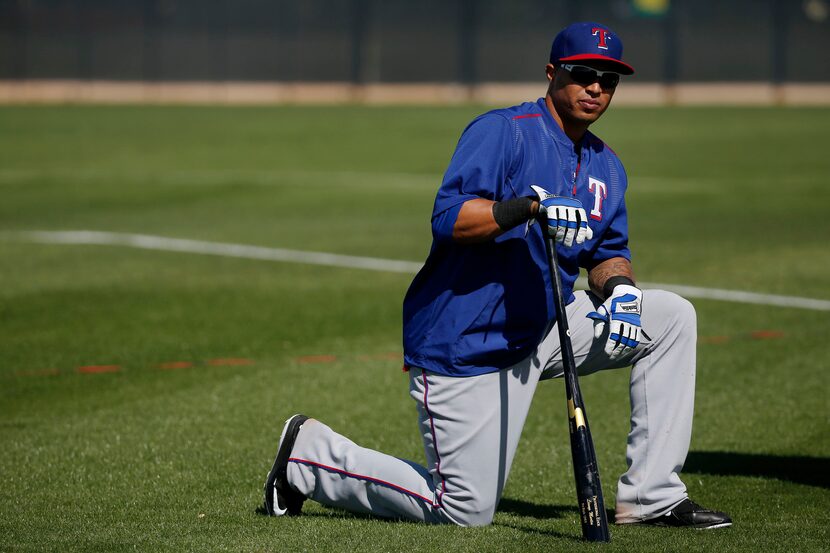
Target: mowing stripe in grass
(161, 243)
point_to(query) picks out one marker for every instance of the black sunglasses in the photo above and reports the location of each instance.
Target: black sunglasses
(585, 75)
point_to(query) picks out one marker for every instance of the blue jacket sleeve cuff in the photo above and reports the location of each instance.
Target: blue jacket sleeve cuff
(443, 223)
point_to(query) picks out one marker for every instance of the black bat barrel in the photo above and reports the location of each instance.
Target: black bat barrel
(592, 514)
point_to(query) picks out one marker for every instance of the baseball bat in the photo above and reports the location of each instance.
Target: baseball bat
(586, 470)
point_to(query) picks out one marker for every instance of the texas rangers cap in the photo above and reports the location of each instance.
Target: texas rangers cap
(589, 41)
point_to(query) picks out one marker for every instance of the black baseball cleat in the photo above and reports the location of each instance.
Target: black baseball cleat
(280, 498)
(689, 514)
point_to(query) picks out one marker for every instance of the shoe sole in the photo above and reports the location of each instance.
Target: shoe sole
(713, 526)
(272, 508)
(664, 525)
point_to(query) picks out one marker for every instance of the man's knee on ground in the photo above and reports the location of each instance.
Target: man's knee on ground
(470, 512)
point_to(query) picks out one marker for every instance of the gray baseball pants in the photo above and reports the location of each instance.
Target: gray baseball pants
(471, 428)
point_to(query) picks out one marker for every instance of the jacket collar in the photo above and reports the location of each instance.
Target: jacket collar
(553, 127)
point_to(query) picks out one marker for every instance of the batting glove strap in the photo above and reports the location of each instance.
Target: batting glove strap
(613, 282)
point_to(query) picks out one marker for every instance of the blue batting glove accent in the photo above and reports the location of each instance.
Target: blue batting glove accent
(628, 318)
(628, 342)
(597, 316)
(622, 299)
(556, 201)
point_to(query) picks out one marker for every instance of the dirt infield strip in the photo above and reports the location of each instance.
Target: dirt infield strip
(242, 93)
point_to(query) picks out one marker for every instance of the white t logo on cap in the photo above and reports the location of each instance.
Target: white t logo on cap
(603, 37)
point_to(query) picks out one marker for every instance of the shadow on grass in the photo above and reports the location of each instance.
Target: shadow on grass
(812, 471)
(540, 531)
(508, 506)
(526, 509)
(331, 512)
(534, 510)
(335, 512)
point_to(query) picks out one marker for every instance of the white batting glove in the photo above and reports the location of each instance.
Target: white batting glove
(567, 222)
(622, 310)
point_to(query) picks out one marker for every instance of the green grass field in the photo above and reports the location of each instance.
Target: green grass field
(142, 392)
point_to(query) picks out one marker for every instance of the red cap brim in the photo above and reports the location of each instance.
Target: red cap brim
(621, 66)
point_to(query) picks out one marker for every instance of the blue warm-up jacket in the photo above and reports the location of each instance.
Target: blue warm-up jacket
(475, 309)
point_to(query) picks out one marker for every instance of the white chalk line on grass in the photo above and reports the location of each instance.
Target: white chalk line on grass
(209, 177)
(161, 243)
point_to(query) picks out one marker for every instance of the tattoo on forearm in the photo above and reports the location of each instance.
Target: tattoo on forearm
(598, 276)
